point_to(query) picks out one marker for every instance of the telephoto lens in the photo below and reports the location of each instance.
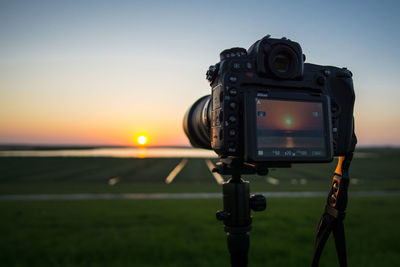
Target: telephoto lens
(196, 123)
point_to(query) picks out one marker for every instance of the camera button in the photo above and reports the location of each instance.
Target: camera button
(231, 144)
(232, 132)
(236, 66)
(232, 119)
(249, 66)
(233, 79)
(233, 92)
(232, 105)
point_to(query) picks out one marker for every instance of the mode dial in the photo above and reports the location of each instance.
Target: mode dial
(233, 52)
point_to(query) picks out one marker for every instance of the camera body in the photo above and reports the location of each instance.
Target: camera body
(267, 106)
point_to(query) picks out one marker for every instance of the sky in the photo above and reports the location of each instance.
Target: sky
(105, 72)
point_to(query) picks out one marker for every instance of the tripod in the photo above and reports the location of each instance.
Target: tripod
(237, 205)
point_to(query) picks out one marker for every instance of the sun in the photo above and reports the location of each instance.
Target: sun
(142, 140)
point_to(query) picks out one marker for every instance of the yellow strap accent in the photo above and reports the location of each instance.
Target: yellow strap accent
(339, 166)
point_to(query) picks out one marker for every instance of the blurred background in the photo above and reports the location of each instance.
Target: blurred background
(92, 96)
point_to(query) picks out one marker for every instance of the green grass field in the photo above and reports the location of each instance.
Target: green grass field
(372, 169)
(185, 232)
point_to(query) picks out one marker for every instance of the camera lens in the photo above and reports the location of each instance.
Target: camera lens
(283, 62)
(196, 123)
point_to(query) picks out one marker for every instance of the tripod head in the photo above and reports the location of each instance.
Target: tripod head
(236, 167)
(237, 206)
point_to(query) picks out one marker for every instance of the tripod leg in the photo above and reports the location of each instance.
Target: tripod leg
(237, 220)
(238, 245)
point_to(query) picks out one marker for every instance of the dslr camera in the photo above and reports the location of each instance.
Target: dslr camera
(269, 108)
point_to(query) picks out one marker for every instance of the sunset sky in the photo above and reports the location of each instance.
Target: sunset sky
(106, 72)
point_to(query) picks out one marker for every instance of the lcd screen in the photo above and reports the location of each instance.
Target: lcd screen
(287, 128)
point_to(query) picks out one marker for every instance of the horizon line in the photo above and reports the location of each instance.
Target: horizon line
(94, 146)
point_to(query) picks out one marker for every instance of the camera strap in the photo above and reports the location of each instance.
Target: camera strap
(334, 213)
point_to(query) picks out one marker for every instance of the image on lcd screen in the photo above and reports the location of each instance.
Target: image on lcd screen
(287, 128)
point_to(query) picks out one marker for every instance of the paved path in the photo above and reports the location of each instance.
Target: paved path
(182, 195)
